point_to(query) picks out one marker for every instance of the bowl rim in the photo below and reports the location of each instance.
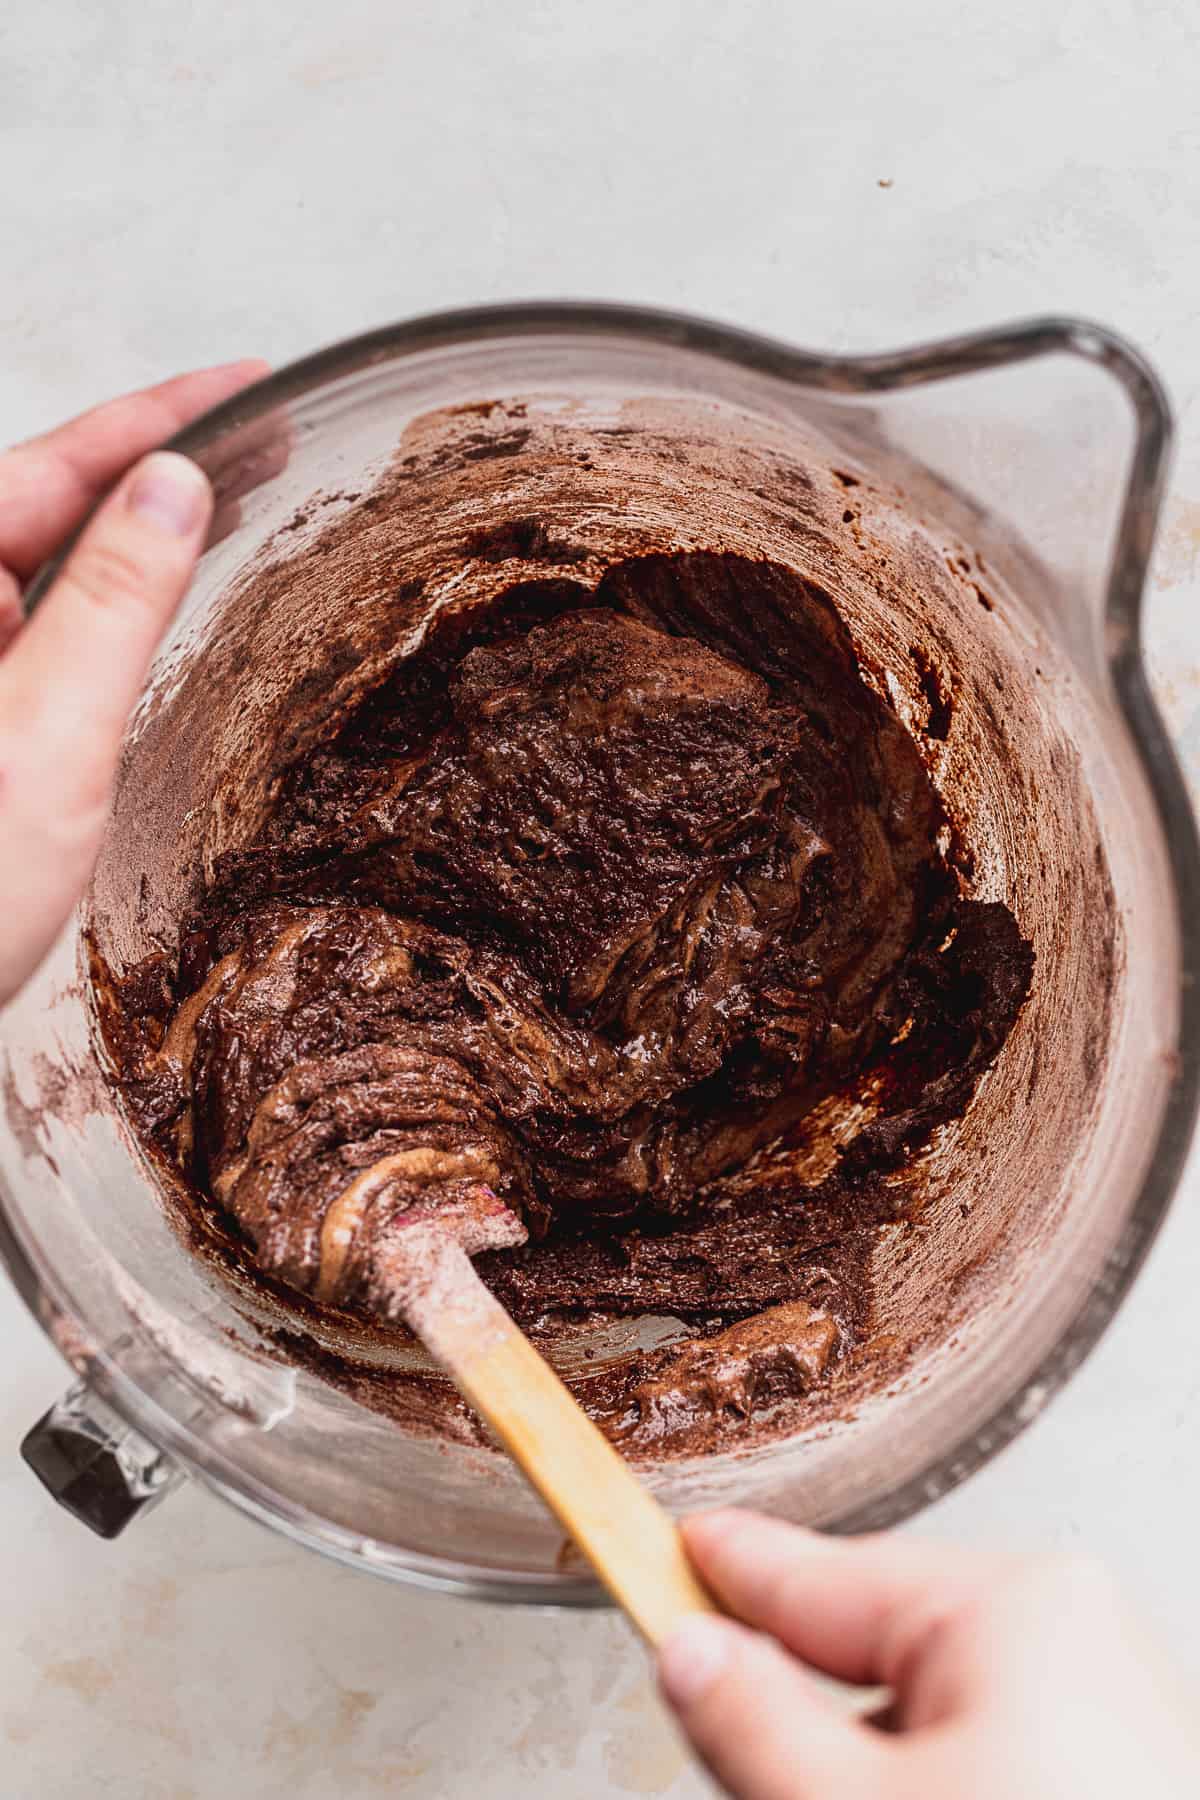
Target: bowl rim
(860, 375)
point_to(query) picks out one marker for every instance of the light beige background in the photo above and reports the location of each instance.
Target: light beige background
(190, 183)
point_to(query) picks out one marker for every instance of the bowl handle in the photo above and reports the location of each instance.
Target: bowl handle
(95, 1465)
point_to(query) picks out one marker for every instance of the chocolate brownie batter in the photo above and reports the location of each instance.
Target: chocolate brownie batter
(592, 905)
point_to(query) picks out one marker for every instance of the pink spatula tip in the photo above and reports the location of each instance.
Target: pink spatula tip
(476, 1218)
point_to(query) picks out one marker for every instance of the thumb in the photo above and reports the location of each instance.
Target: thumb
(759, 1720)
(67, 684)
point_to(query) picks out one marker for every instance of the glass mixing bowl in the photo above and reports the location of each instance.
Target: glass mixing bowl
(1016, 475)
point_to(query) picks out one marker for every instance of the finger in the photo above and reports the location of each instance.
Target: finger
(10, 609)
(48, 485)
(854, 1607)
(759, 1721)
(67, 684)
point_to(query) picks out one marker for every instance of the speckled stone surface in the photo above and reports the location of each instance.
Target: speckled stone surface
(220, 187)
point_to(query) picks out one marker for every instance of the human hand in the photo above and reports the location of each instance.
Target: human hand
(70, 674)
(1009, 1678)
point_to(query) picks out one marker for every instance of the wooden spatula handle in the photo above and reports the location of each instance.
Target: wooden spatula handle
(631, 1541)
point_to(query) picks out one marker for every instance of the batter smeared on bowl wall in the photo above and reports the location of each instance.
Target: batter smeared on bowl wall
(593, 902)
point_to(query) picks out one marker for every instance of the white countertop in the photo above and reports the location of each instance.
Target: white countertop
(191, 184)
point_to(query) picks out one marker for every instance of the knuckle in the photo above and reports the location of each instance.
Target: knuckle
(914, 1641)
(78, 824)
(108, 574)
(72, 835)
(38, 764)
(44, 753)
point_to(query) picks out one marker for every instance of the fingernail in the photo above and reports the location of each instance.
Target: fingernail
(692, 1659)
(170, 491)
